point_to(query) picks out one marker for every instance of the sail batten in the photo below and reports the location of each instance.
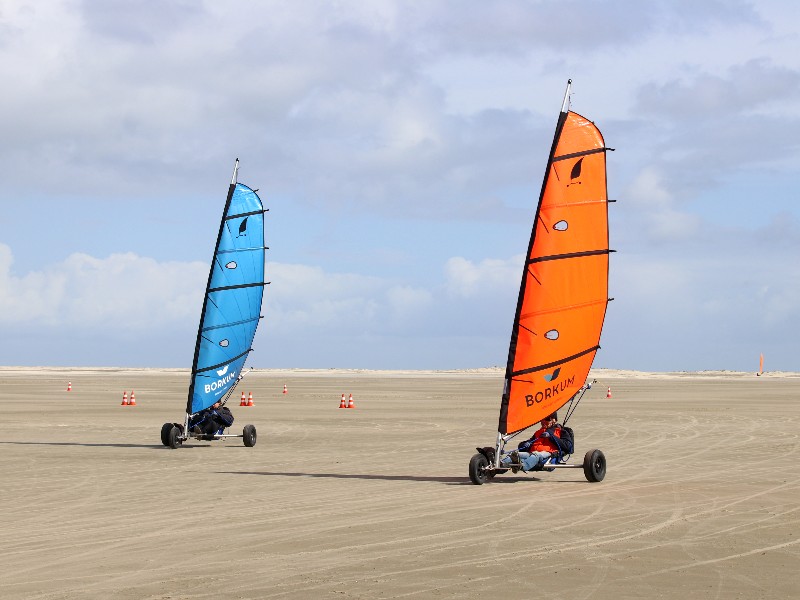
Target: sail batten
(247, 214)
(567, 256)
(231, 324)
(222, 364)
(236, 287)
(232, 302)
(577, 154)
(559, 316)
(553, 364)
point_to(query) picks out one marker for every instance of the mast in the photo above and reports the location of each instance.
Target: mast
(236, 170)
(565, 103)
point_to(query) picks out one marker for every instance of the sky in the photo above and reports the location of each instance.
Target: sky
(400, 148)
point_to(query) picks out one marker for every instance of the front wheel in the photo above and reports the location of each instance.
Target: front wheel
(594, 465)
(249, 435)
(478, 472)
(165, 429)
(174, 437)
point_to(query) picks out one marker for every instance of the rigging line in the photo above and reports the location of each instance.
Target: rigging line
(539, 216)
(222, 271)
(531, 331)
(571, 410)
(575, 204)
(222, 364)
(568, 255)
(213, 343)
(243, 249)
(230, 232)
(563, 308)
(555, 363)
(576, 154)
(231, 324)
(210, 299)
(536, 279)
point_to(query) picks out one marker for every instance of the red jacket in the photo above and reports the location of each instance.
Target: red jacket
(545, 444)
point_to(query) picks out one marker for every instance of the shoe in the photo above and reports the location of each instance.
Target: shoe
(515, 463)
(196, 430)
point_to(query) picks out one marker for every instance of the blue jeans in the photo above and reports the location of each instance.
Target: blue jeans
(529, 460)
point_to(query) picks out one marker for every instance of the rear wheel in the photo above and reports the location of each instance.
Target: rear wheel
(594, 465)
(249, 435)
(174, 437)
(477, 469)
(165, 429)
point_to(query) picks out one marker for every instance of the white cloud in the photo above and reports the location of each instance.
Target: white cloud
(303, 300)
(658, 210)
(745, 87)
(122, 292)
(407, 302)
(465, 278)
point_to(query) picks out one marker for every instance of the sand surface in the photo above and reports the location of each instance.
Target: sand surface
(701, 499)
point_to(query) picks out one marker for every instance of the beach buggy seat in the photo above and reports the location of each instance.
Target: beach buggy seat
(211, 422)
(566, 446)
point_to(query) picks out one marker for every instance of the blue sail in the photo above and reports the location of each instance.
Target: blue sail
(232, 304)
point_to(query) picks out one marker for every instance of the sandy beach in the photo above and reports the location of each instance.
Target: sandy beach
(700, 498)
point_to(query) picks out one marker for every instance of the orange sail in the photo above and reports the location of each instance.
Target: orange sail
(564, 290)
(761, 365)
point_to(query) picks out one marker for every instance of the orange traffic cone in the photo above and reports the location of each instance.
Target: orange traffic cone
(285, 391)
(124, 399)
(343, 404)
(608, 393)
(250, 399)
(132, 401)
(69, 386)
(243, 402)
(350, 403)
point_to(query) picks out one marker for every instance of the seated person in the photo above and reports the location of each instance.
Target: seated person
(536, 451)
(211, 420)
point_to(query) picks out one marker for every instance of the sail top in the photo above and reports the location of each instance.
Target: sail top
(565, 103)
(235, 172)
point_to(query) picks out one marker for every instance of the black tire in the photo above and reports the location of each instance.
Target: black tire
(594, 465)
(477, 469)
(249, 435)
(175, 437)
(165, 429)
